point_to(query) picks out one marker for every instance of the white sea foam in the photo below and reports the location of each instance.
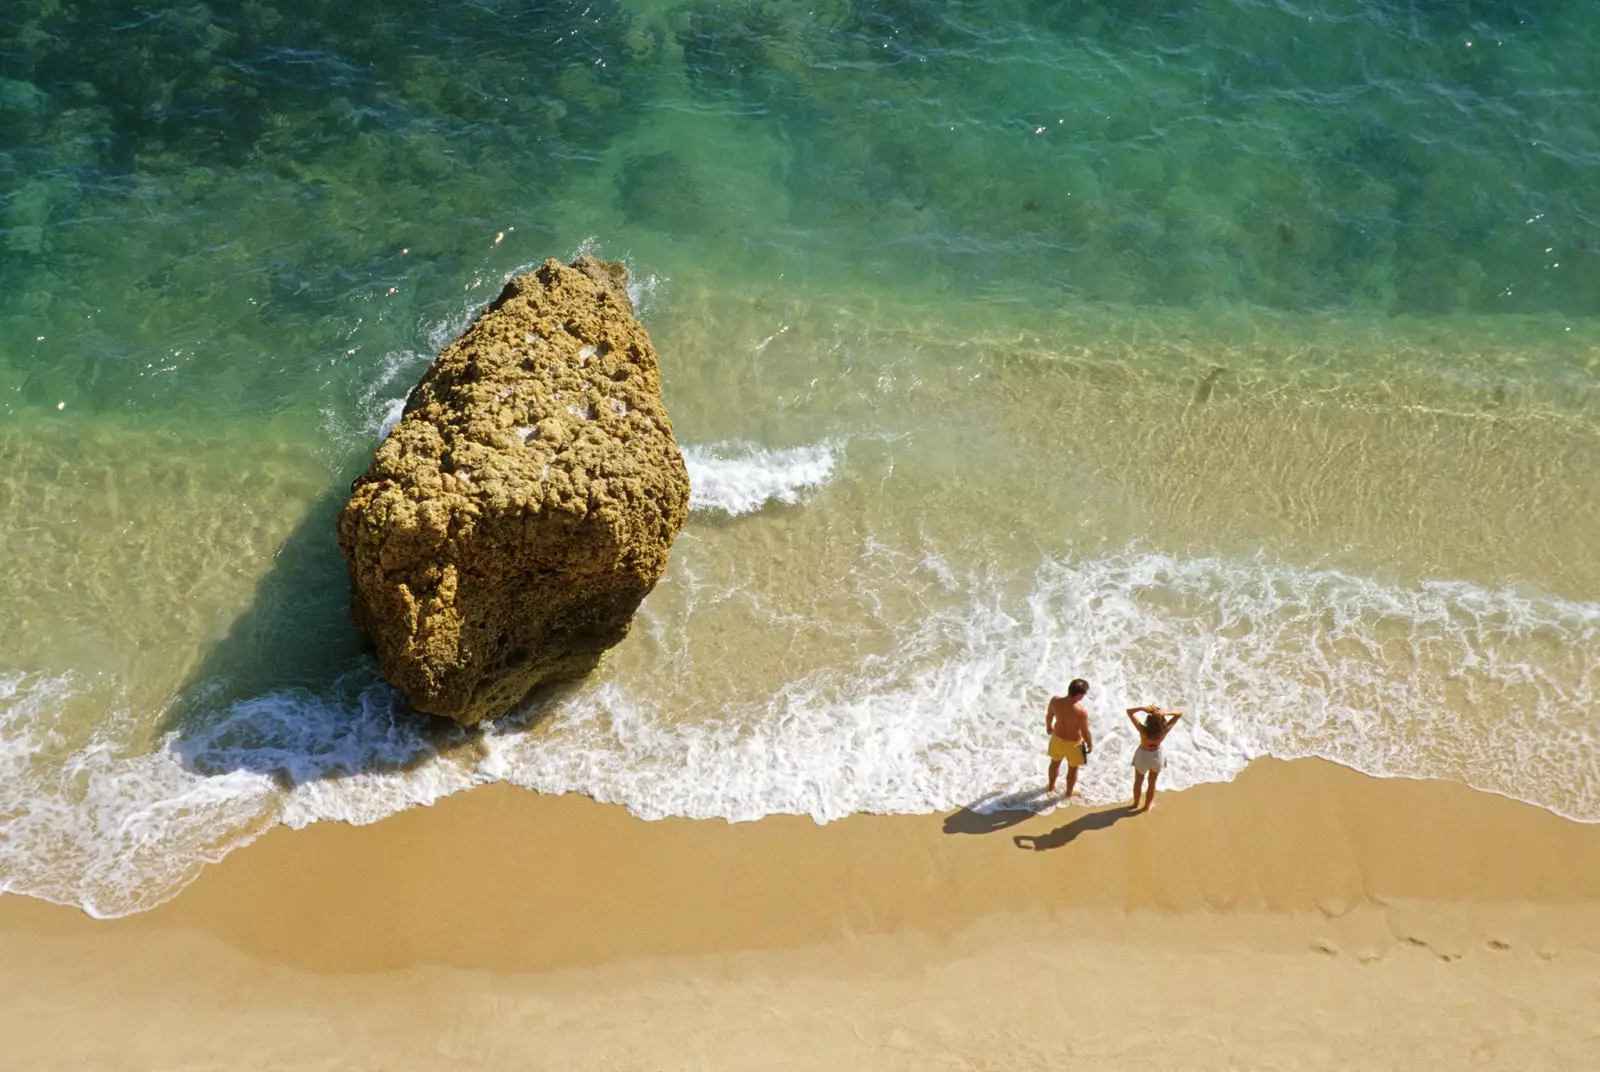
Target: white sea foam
(100, 828)
(383, 398)
(1265, 659)
(739, 478)
(116, 833)
(395, 409)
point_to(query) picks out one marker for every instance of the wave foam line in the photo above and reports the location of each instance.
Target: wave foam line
(1452, 680)
(737, 477)
(1491, 687)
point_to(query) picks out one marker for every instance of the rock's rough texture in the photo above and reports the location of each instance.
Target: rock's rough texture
(511, 523)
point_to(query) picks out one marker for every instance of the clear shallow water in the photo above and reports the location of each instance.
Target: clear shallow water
(1237, 356)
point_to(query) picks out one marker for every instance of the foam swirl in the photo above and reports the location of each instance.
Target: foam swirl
(737, 477)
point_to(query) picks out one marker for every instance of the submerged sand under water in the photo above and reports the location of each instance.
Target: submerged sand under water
(909, 528)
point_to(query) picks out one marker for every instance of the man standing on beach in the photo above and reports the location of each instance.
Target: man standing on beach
(1066, 720)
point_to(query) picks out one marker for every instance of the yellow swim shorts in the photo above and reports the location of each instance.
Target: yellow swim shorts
(1071, 751)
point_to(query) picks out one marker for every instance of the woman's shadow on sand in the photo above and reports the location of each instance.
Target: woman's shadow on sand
(1063, 835)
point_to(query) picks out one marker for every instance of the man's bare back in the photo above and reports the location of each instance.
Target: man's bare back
(1067, 719)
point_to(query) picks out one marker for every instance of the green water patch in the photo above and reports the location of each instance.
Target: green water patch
(1342, 154)
(215, 184)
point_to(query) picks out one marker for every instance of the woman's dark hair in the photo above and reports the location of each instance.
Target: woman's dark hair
(1154, 724)
(1077, 688)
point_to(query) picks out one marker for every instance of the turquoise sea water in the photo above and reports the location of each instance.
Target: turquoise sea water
(1241, 356)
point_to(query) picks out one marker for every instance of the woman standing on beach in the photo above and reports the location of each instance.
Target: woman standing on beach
(1147, 758)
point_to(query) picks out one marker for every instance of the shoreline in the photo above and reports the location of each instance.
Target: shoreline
(1300, 894)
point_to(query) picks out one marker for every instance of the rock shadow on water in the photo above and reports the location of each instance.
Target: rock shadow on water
(293, 691)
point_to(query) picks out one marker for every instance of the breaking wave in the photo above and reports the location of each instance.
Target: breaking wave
(1266, 659)
(737, 477)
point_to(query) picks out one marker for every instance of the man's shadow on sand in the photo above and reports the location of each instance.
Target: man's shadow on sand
(1000, 811)
(997, 811)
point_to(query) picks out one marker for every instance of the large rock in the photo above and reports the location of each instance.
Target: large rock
(511, 523)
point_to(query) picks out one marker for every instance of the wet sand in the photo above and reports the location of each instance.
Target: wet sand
(1304, 916)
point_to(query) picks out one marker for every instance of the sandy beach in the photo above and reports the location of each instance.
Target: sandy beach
(1304, 916)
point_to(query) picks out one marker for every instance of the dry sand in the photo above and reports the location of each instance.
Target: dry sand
(1303, 916)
